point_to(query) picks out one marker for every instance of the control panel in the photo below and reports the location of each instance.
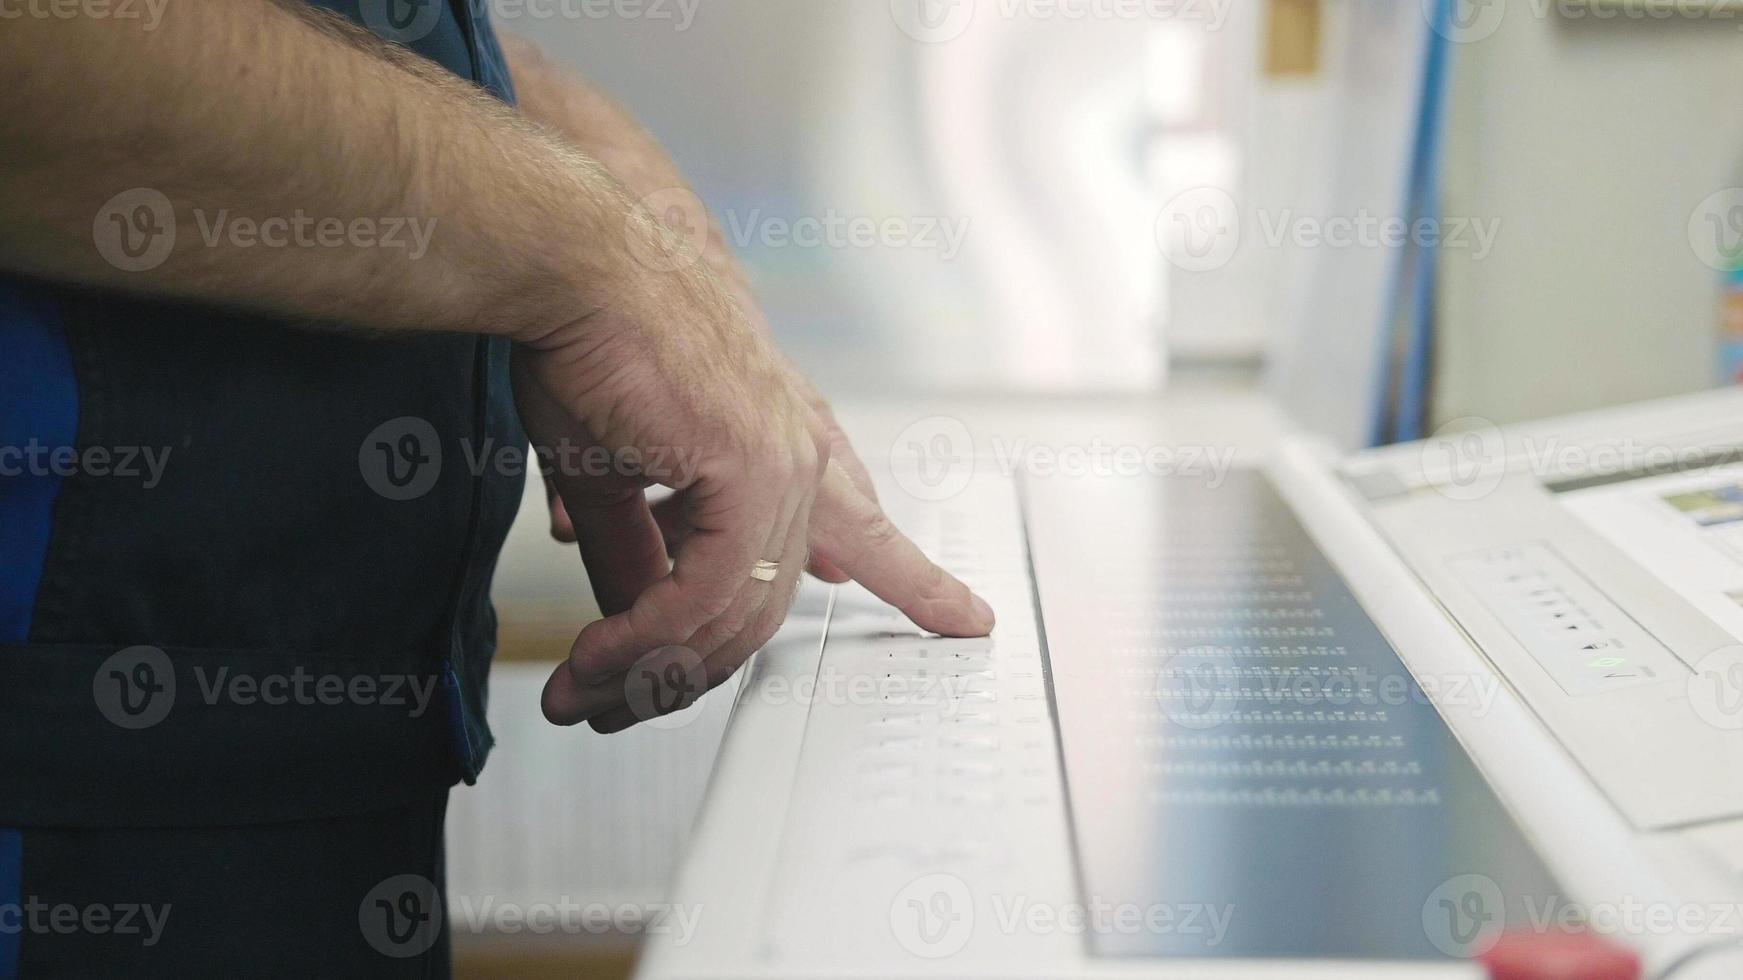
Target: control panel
(1586, 642)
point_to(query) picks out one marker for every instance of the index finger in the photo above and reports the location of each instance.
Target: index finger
(852, 533)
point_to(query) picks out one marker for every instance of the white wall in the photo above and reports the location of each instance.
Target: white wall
(1592, 142)
(1017, 135)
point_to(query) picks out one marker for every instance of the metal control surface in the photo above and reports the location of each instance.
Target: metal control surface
(1239, 739)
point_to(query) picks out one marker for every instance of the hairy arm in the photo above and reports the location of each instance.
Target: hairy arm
(589, 119)
(250, 109)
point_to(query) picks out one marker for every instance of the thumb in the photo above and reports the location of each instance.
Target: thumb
(562, 528)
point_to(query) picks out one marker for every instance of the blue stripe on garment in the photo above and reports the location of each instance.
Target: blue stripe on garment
(39, 412)
(11, 901)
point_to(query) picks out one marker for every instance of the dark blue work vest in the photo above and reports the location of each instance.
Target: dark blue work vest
(284, 612)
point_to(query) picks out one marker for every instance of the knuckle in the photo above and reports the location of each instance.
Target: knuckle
(771, 618)
(879, 532)
(753, 639)
(808, 461)
(780, 466)
(713, 636)
(714, 604)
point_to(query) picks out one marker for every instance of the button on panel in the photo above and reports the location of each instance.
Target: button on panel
(927, 759)
(1571, 628)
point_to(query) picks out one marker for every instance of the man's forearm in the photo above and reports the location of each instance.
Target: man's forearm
(584, 115)
(245, 110)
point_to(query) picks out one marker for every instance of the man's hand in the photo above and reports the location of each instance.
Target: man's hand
(676, 379)
(668, 515)
(624, 541)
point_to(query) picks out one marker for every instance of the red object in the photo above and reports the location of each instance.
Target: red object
(1560, 956)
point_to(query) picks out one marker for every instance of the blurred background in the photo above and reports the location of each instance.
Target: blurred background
(1384, 213)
